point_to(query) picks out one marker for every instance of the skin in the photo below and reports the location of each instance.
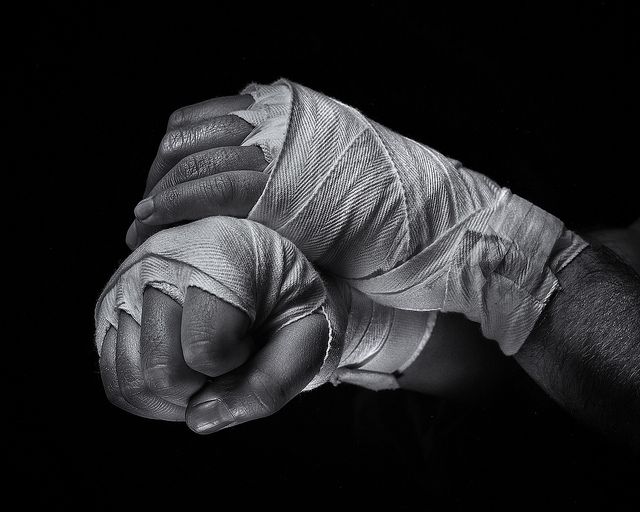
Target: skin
(200, 170)
(197, 363)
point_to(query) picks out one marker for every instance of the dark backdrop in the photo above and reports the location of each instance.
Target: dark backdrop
(540, 98)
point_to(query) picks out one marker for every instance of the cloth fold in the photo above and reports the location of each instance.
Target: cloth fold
(264, 275)
(400, 222)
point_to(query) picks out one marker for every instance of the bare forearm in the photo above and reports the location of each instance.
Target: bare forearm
(585, 349)
(458, 363)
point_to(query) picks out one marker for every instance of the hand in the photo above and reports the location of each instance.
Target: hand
(200, 169)
(223, 321)
(402, 223)
(160, 368)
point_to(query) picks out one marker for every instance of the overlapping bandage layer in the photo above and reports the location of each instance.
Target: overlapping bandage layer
(400, 222)
(263, 275)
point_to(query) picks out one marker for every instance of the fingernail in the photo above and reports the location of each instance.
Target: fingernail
(144, 208)
(132, 235)
(209, 417)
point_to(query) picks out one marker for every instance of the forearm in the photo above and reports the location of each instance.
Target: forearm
(457, 362)
(585, 349)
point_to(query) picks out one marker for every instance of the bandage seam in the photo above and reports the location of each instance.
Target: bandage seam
(303, 207)
(323, 374)
(394, 169)
(359, 341)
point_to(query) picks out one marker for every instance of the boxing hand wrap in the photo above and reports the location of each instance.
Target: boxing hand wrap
(400, 222)
(266, 277)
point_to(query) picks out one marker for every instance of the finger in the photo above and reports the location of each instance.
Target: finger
(131, 379)
(278, 372)
(206, 110)
(109, 374)
(210, 162)
(221, 131)
(164, 369)
(197, 166)
(215, 336)
(232, 193)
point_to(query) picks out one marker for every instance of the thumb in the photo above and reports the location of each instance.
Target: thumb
(289, 360)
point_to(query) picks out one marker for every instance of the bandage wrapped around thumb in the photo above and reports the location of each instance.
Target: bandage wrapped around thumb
(268, 278)
(405, 225)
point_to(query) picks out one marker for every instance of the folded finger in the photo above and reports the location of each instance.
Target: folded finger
(210, 162)
(215, 335)
(206, 110)
(227, 130)
(131, 379)
(232, 193)
(197, 166)
(278, 372)
(108, 372)
(164, 369)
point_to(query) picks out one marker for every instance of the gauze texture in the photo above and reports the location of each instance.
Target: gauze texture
(400, 222)
(264, 275)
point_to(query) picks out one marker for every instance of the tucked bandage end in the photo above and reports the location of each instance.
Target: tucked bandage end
(269, 114)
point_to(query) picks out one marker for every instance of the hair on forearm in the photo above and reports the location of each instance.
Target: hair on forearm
(585, 348)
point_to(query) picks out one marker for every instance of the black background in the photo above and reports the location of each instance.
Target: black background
(540, 98)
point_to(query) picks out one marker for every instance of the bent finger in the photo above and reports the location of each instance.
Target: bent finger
(210, 162)
(130, 377)
(232, 193)
(228, 130)
(164, 369)
(206, 110)
(197, 166)
(108, 372)
(278, 372)
(214, 334)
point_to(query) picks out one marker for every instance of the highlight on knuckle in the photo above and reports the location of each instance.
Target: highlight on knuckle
(172, 142)
(177, 117)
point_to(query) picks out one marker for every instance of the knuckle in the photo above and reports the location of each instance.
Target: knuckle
(177, 117)
(172, 142)
(159, 378)
(188, 168)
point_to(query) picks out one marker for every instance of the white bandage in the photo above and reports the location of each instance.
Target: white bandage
(265, 276)
(402, 223)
